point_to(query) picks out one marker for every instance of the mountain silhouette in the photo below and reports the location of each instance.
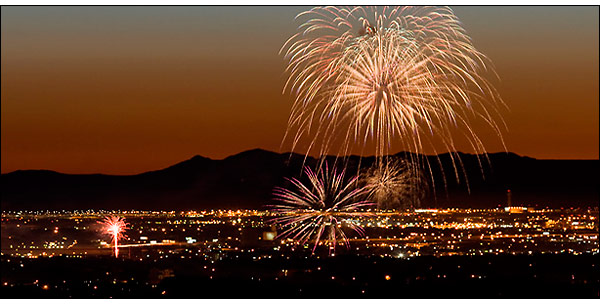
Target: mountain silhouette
(246, 180)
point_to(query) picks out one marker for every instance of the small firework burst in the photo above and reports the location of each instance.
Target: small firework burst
(317, 211)
(394, 184)
(114, 226)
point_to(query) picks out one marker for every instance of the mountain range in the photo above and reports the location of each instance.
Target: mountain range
(246, 180)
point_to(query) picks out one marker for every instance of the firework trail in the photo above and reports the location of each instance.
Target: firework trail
(114, 226)
(394, 184)
(318, 210)
(383, 75)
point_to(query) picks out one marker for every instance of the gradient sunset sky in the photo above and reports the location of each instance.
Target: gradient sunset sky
(124, 90)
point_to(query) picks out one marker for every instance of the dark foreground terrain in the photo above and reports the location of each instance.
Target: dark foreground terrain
(305, 276)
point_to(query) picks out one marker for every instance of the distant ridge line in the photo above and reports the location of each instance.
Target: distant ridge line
(246, 180)
(199, 157)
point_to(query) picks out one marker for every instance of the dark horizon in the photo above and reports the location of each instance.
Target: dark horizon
(246, 180)
(289, 153)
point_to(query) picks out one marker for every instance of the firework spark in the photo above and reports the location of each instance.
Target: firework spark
(384, 75)
(114, 226)
(394, 184)
(318, 210)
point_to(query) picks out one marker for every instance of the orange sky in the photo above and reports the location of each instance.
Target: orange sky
(125, 90)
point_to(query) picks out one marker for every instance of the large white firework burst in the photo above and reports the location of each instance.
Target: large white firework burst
(404, 75)
(318, 211)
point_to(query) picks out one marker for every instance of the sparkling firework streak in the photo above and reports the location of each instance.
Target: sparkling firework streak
(383, 75)
(394, 184)
(114, 226)
(319, 209)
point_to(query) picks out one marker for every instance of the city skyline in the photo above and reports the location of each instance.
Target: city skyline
(279, 152)
(131, 89)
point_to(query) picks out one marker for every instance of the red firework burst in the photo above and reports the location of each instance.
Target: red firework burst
(114, 226)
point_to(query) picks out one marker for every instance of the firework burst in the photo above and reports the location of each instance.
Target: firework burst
(114, 226)
(318, 210)
(394, 184)
(409, 75)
